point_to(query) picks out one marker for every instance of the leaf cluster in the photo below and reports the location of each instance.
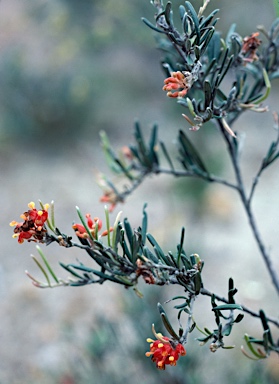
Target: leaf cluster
(197, 47)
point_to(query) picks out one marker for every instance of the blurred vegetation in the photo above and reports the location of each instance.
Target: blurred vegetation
(69, 69)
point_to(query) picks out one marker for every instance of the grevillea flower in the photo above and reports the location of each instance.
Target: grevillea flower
(32, 228)
(110, 197)
(178, 84)
(164, 351)
(250, 46)
(94, 225)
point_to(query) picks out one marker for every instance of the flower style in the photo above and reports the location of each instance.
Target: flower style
(180, 82)
(250, 46)
(164, 351)
(33, 227)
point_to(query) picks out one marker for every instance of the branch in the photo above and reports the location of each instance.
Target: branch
(247, 206)
(207, 177)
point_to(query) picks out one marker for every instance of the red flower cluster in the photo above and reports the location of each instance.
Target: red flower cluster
(163, 351)
(179, 83)
(32, 228)
(94, 226)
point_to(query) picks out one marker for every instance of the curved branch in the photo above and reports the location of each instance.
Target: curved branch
(247, 206)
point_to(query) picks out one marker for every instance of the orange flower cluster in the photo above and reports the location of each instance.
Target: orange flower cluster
(163, 352)
(32, 228)
(94, 226)
(179, 83)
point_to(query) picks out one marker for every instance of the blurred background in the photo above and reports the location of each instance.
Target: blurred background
(69, 69)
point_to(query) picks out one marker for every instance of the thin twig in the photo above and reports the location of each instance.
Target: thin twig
(189, 321)
(264, 165)
(247, 207)
(206, 177)
(254, 184)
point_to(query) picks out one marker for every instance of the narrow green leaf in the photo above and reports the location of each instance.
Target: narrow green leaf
(198, 283)
(191, 155)
(239, 317)
(180, 306)
(180, 248)
(227, 307)
(116, 231)
(167, 156)
(144, 224)
(47, 264)
(266, 326)
(150, 25)
(166, 322)
(153, 145)
(107, 225)
(150, 256)
(142, 151)
(251, 348)
(159, 252)
(178, 298)
(207, 94)
(208, 19)
(268, 88)
(168, 14)
(124, 245)
(195, 20)
(223, 74)
(67, 267)
(129, 232)
(84, 223)
(42, 269)
(185, 260)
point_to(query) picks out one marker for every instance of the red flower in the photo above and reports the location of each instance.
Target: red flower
(32, 228)
(165, 351)
(178, 82)
(109, 197)
(93, 225)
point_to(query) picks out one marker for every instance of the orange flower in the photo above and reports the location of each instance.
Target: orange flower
(93, 225)
(33, 226)
(179, 82)
(165, 351)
